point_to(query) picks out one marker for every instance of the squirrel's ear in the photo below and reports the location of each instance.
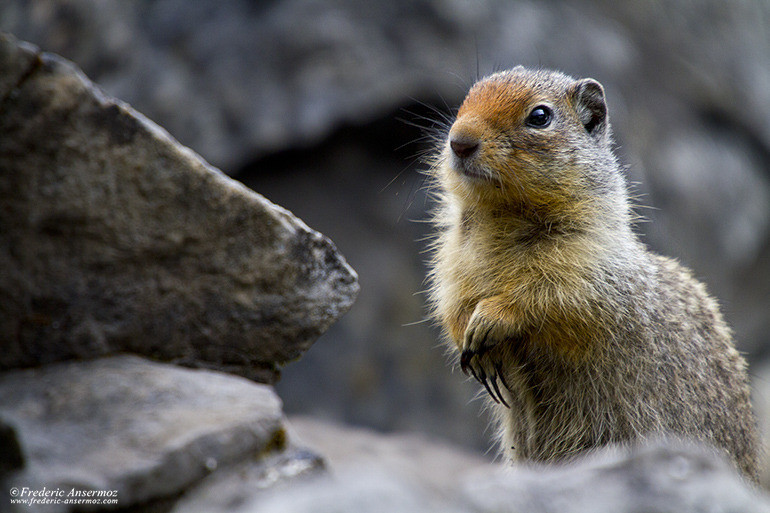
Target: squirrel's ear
(588, 95)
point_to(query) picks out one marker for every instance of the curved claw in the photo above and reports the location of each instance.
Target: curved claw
(500, 375)
(467, 354)
(479, 340)
(475, 376)
(465, 360)
(499, 394)
(486, 385)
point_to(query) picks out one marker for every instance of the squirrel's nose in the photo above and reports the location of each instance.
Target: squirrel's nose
(464, 148)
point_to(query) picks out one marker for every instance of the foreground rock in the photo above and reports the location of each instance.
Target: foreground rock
(171, 439)
(371, 473)
(414, 457)
(116, 238)
(147, 430)
(662, 477)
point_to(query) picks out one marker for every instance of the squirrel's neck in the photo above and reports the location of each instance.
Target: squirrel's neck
(603, 223)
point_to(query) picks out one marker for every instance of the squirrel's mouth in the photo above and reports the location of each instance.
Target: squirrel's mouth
(473, 171)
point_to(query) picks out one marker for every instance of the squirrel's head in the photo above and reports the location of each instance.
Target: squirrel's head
(538, 141)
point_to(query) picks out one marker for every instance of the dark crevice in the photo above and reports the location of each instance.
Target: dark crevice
(400, 135)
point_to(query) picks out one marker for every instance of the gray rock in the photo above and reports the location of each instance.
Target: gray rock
(229, 489)
(660, 477)
(367, 471)
(371, 473)
(423, 461)
(367, 490)
(116, 238)
(196, 440)
(145, 429)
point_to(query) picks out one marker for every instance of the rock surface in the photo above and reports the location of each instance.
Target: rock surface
(413, 457)
(660, 477)
(115, 238)
(148, 430)
(371, 473)
(231, 488)
(181, 440)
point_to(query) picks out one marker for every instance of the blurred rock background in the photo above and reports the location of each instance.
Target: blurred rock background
(313, 104)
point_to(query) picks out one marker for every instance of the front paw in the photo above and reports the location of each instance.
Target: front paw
(482, 335)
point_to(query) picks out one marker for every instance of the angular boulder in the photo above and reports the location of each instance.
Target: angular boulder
(115, 238)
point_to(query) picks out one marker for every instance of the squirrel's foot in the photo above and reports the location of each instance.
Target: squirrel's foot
(481, 336)
(485, 373)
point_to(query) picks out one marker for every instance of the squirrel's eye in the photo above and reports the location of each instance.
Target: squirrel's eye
(540, 117)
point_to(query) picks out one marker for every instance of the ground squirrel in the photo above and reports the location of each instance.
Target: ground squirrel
(580, 334)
